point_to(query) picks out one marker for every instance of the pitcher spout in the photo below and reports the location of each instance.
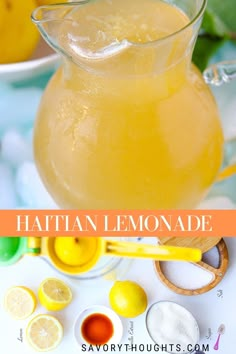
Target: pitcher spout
(62, 28)
(49, 18)
(95, 35)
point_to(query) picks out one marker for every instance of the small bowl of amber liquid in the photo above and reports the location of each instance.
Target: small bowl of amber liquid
(98, 326)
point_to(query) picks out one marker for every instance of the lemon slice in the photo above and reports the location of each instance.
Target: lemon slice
(20, 302)
(44, 333)
(54, 294)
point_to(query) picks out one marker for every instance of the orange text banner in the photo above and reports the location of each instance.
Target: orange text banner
(183, 223)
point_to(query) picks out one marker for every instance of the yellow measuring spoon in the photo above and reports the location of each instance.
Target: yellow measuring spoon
(76, 255)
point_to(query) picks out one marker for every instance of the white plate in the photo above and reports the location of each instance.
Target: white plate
(115, 319)
(43, 61)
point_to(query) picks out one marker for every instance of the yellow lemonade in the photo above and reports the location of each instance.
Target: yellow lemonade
(131, 126)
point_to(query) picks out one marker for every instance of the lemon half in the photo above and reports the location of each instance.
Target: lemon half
(20, 302)
(44, 333)
(54, 294)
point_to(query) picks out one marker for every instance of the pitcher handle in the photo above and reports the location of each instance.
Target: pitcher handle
(220, 73)
(226, 173)
(217, 74)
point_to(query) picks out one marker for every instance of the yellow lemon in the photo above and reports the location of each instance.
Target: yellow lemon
(75, 251)
(128, 299)
(54, 294)
(19, 36)
(44, 333)
(20, 302)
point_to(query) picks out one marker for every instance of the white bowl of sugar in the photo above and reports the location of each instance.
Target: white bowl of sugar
(172, 327)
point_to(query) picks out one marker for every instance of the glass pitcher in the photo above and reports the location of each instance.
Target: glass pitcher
(127, 122)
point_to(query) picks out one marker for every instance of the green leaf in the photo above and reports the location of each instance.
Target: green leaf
(214, 26)
(220, 18)
(205, 48)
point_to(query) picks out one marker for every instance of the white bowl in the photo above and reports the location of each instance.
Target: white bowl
(43, 60)
(177, 308)
(115, 319)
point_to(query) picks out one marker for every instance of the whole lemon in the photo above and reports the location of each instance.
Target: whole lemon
(128, 299)
(19, 36)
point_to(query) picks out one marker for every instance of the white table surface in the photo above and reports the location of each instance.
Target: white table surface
(209, 309)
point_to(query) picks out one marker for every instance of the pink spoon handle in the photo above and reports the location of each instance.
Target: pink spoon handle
(216, 346)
